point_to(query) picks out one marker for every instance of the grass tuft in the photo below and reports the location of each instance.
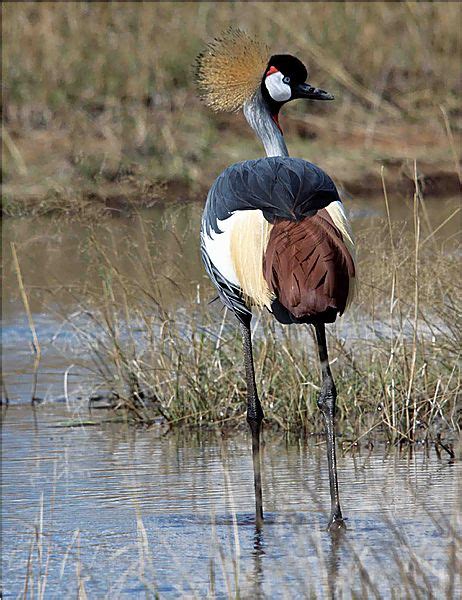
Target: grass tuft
(395, 355)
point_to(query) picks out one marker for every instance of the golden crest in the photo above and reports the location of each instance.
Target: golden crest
(230, 70)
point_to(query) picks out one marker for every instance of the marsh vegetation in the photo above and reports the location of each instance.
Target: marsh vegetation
(132, 295)
(109, 320)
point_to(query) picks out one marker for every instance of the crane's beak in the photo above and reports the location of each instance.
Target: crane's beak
(305, 90)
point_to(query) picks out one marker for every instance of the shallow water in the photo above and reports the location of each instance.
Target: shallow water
(124, 512)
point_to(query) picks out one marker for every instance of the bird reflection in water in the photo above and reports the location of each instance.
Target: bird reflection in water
(333, 561)
(257, 554)
(330, 555)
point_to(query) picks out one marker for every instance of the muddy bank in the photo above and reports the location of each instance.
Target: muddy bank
(56, 170)
(434, 183)
(116, 199)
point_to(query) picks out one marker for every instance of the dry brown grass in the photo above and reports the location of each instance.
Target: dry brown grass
(90, 89)
(396, 355)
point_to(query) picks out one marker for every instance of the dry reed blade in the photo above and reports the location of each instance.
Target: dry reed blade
(25, 300)
(14, 151)
(393, 291)
(412, 428)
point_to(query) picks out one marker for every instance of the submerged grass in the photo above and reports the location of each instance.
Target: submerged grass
(395, 355)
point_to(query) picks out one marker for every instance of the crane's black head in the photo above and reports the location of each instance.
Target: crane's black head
(285, 79)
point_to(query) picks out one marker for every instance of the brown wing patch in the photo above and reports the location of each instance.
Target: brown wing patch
(308, 267)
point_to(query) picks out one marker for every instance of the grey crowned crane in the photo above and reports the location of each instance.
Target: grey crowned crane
(274, 232)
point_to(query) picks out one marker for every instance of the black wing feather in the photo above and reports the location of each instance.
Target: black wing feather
(280, 186)
(230, 294)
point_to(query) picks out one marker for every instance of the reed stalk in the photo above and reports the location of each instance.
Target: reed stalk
(35, 341)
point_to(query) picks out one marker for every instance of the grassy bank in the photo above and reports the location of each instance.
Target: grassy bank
(99, 103)
(395, 355)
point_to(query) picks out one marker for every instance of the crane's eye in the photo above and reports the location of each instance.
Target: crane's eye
(286, 79)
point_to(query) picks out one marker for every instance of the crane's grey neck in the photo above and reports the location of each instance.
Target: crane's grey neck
(259, 118)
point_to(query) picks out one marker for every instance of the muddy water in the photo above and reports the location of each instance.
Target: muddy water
(124, 513)
(56, 263)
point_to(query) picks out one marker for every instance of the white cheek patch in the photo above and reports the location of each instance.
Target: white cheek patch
(279, 91)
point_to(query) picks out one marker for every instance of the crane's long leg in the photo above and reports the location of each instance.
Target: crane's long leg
(254, 419)
(326, 403)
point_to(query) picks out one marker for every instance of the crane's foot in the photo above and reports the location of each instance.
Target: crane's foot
(336, 523)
